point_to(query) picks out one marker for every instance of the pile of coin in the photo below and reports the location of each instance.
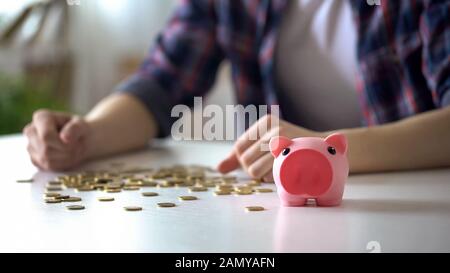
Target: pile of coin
(194, 178)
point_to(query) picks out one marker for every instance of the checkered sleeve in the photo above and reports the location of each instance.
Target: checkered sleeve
(181, 64)
(435, 32)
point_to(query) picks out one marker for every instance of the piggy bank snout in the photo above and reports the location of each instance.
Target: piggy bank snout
(306, 172)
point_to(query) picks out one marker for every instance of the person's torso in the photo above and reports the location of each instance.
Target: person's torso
(390, 82)
(315, 65)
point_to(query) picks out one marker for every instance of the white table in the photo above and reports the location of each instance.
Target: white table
(407, 211)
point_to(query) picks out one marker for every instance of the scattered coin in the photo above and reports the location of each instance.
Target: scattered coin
(243, 190)
(198, 188)
(254, 183)
(226, 187)
(113, 190)
(111, 186)
(54, 188)
(222, 192)
(25, 180)
(87, 188)
(166, 205)
(75, 207)
(166, 184)
(132, 208)
(149, 194)
(263, 190)
(187, 198)
(254, 208)
(196, 178)
(62, 197)
(131, 188)
(51, 194)
(147, 183)
(52, 200)
(105, 199)
(72, 199)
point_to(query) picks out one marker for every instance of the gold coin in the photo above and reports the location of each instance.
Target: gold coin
(198, 188)
(166, 205)
(225, 187)
(209, 184)
(75, 207)
(244, 192)
(131, 184)
(54, 183)
(187, 198)
(263, 190)
(178, 182)
(105, 199)
(51, 194)
(166, 184)
(254, 208)
(149, 194)
(54, 188)
(131, 188)
(253, 183)
(222, 192)
(102, 180)
(85, 188)
(113, 186)
(62, 197)
(147, 183)
(113, 190)
(186, 184)
(72, 199)
(52, 200)
(25, 180)
(132, 208)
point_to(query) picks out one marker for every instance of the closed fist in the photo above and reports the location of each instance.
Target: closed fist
(56, 141)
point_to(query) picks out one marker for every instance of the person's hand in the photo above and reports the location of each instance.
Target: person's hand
(249, 153)
(56, 141)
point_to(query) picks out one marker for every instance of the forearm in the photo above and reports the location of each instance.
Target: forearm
(422, 141)
(119, 123)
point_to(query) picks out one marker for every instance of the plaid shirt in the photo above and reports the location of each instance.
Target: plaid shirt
(403, 54)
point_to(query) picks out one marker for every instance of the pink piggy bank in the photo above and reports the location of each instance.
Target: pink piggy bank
(310, 168)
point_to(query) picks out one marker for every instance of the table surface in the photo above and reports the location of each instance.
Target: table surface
(391, 212)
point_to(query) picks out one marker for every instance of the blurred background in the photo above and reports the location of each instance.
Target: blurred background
(68, 54)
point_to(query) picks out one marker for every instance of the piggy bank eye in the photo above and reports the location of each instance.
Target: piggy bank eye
(332, 150)
(285, 151)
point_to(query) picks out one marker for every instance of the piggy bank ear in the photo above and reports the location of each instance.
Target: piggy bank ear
(277, 144)
(338, 141)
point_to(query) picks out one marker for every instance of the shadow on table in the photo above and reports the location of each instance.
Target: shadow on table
(396, 206)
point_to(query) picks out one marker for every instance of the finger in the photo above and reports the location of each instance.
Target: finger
(261, 166)
(33, 156)
(27, 129)
(38, 145)
(252, 135)
(58, 118)
(230, 163)
(48, 158)
(73, 130)
(46, 128)
(254, 152)
(56, 161)
(268, 177)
